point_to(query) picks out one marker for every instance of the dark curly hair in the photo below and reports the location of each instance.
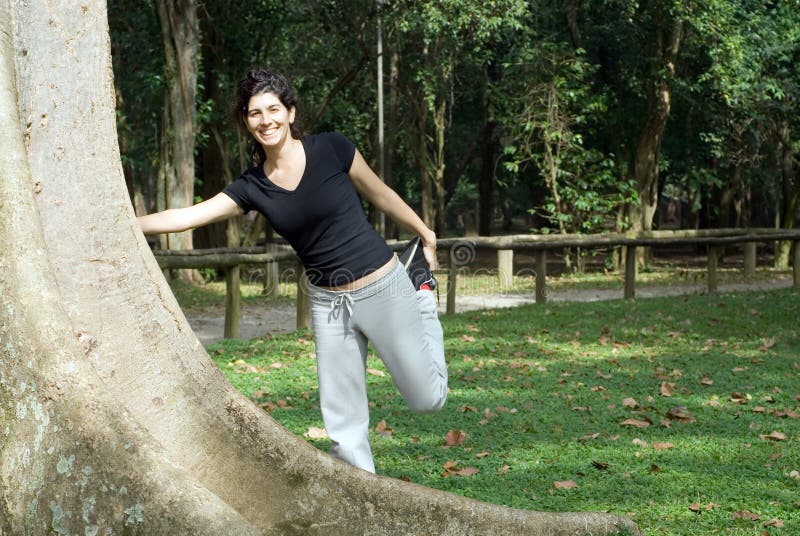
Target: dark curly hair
(264, 80)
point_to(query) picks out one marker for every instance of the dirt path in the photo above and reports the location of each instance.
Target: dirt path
(260, 320)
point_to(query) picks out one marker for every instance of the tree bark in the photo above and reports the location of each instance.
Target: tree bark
(667, 39)
(180, 32)
(790, 191)
(121, 422)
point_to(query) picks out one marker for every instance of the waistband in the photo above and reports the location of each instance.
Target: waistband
(389, 282)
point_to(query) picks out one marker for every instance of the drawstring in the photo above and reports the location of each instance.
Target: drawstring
(339, 301)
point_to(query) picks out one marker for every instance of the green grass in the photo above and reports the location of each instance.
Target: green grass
(539, 392)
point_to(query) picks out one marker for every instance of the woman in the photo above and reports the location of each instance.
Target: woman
(308, 189)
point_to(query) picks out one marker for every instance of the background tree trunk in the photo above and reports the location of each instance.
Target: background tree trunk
(180, 32)
(120, 420)
(659, 96)
(790, 191)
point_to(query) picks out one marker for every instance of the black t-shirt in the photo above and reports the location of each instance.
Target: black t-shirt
(322, 218)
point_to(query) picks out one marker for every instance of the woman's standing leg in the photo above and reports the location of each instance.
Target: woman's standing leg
(341, 363)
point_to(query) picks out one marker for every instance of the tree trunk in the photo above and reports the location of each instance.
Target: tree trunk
(180, 33)
(425, 181)
(120, 422)
(488, 152)
(440, 123)
(790, 190)
(659, 95)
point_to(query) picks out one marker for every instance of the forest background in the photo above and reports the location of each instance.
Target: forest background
(499, 116)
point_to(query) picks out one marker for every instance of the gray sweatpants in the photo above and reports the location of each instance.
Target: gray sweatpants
(403, 326)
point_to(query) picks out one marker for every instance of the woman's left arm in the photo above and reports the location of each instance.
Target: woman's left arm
(370, 186)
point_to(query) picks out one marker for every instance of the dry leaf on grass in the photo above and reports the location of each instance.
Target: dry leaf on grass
(774, 436)
(745, 514)
(635, 422)
(453, 438)
(565, 484)
(376, 372)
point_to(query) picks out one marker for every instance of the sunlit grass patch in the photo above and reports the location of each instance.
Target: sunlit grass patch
(681, 412)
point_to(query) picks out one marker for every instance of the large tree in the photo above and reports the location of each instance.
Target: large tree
(112, 416)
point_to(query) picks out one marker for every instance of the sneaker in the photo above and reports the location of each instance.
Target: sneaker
(417, 266)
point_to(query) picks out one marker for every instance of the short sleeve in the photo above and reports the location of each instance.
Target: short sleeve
(344, 149)
(238, 191)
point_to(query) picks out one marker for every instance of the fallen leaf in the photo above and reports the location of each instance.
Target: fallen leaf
(680, 413)
(740, 398)
(481, 454)
(504, 469)
(635, 422)
(383, 430)
(604, 376)
(787, 413)
(454, 438)
(467, 471)
(630, 403)
(667, 388)
(640, 443)
(598, 388)
(600, 465)
(589, 437)
(706, 381)
(465, 408)
(745, 514)
(663, 446)
(655, 469)
(468, 338)
(759, 409)
(376, 372)
(450, 464)
(777, 523)
(774, 436)
(565, 484)
(316, 433)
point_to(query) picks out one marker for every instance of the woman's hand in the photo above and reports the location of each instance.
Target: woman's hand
(429, 248)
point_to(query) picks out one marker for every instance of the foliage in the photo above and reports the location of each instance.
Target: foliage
(566, 85)
(682, 415)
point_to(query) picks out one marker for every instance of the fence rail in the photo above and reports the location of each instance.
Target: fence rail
(462, 252)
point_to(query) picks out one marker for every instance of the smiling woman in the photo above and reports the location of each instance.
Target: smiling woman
(308, 188)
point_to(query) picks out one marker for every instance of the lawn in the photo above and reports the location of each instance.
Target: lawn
(679, 412)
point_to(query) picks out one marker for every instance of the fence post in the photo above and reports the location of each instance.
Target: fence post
(505, 268)
(630, 272)
(749, 259)
(303, 299)
(713, 259)
(271, 276)
(232, 301)
(541, 276)
(796, 264)
(452, 272)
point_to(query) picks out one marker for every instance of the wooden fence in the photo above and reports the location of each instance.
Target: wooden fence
(462, 251)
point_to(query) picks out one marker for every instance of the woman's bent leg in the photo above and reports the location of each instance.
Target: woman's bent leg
(403, 326)
(341, 361)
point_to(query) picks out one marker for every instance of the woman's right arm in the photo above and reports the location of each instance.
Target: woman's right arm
(175, 220)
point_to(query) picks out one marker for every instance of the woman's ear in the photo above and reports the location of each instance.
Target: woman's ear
(292, 111)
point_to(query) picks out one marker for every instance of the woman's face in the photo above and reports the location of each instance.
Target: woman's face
(268, 120)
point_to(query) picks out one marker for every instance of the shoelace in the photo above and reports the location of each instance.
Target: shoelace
(342, 300)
